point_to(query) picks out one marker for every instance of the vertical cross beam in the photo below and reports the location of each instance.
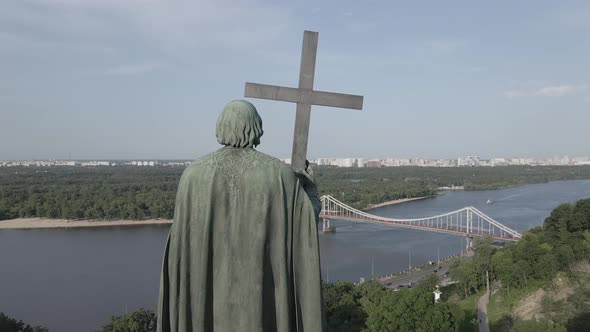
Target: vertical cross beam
(306, 76)
(305, 97)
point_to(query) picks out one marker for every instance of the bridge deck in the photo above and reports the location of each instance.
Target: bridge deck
(467, 221)
(417, 227)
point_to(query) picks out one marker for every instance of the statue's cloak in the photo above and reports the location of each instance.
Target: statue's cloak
(242, 253)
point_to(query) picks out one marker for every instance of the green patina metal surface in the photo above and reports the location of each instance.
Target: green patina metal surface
(242, 253)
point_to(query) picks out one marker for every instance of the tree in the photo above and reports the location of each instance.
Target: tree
(370, 291)
(483, 251)
(430, 282)
(586, 242)
(503, 267)
(565, 256)
(464, 271)
(342, 307)
(534, 326)
(8, 324)
(441, 318)
(556, 225)
(526, 254)
(581, 216)
(547, 264)
(411, 310)
(140, 320)
(3, 214)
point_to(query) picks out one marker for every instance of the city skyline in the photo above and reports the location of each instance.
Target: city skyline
(110, 79)
(466, 161)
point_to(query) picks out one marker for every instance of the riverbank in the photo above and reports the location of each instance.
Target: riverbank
(396, 201)
(31, 223)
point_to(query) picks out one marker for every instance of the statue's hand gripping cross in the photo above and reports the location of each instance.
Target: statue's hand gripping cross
(304, 96)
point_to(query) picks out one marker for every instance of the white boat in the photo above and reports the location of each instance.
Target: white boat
(489, 201)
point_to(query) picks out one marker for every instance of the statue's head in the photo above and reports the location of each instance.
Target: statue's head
(239, 125)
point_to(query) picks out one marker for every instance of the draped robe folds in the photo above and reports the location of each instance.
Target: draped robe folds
(242, 253)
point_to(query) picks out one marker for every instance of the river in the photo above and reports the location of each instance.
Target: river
(74, 280)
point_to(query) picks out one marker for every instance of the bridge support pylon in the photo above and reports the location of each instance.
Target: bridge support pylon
(468, 245)
(326, 227)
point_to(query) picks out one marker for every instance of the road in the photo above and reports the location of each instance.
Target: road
(414, 277)
(482, 312)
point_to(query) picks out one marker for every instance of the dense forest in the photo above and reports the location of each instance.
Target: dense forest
(9, 324)
(88, 193)
(148, 192)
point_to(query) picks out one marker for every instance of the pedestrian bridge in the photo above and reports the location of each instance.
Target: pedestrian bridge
(467, 221)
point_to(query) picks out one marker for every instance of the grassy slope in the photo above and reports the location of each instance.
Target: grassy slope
(504, 305)
(560, 300)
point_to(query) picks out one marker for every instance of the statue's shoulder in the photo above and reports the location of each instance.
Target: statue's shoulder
(208, 159)
(240, 158)
(263, 159)
(229, 164)
(194, 168)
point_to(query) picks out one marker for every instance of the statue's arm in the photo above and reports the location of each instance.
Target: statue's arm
(307, 180)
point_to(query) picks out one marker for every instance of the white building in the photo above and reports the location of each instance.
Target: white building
(470, 161)
(323, 161)
(346, 162)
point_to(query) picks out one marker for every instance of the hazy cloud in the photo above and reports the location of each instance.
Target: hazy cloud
(560, 90)
(574, 18)
(477, 69)
(514, 93)
(547, 91)
(133, 69)
(444, 47)
(171, 25)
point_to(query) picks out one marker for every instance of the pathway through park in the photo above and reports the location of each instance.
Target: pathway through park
(482, 312)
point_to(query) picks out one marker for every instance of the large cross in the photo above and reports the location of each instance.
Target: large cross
(304, 96)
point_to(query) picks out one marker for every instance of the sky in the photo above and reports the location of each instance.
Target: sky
(146, 79)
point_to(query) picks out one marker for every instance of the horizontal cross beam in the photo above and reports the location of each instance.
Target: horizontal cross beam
(304, 96)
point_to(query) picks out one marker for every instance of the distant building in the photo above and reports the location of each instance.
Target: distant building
(346, 162)
(374, 163)
(323, 162)
(470, 161)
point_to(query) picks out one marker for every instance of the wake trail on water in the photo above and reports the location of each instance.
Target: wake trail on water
(508, 197)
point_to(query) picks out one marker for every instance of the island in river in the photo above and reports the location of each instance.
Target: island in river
(27, 223)
(30, 223)
(133, 193)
